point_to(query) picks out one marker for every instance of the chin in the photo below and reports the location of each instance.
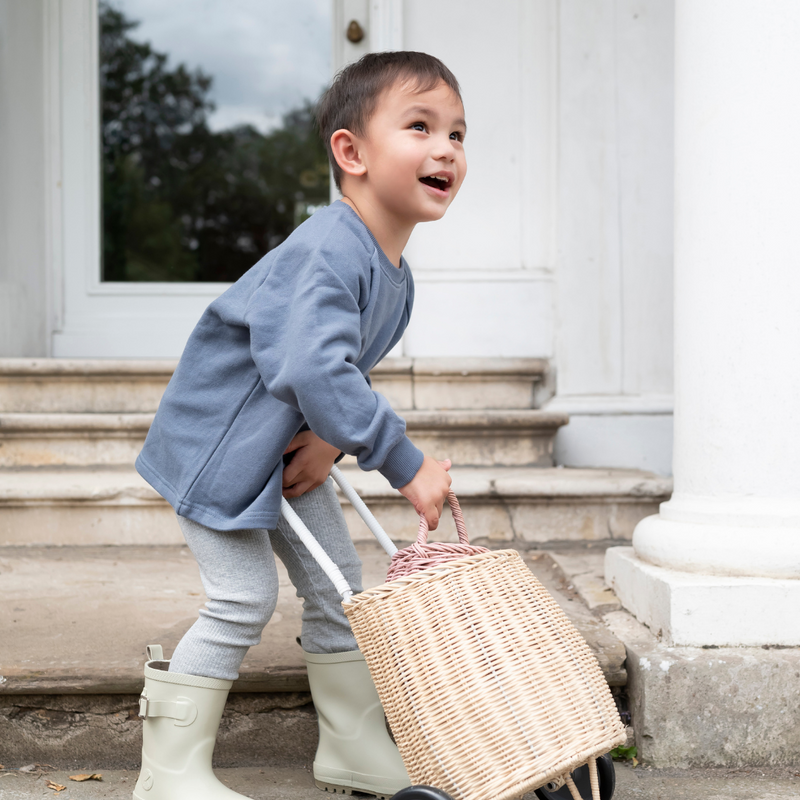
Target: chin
(433, 214)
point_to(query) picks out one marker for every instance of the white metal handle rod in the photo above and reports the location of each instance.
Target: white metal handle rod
(358, 504)
(314, 547)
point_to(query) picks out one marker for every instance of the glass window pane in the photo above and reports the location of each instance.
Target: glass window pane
(210, 156)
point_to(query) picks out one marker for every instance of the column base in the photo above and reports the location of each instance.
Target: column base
(718, 707)
(685, 608)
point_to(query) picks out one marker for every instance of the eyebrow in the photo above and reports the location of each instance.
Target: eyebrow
(414, 110)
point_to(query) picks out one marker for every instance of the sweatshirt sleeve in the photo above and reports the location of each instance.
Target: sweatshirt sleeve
(306, 341)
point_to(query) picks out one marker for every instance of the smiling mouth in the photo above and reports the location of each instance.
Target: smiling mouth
(436, 182)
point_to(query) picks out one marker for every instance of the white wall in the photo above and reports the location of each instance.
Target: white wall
(614, 334)
(23, 222)
(484, 274)
(560, 244)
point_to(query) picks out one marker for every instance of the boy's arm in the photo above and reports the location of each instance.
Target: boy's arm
(306, 339)
(313, 459)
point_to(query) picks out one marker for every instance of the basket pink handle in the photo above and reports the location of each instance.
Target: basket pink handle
(424, 555)
(458, 518)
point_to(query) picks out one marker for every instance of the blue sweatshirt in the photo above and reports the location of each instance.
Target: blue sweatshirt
(289, 345)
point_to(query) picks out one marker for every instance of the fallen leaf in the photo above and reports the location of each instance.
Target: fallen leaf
(635, 762)
(89, 776)
(56, 787)
(28, 768)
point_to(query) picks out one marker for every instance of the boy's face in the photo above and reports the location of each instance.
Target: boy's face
(414, 152)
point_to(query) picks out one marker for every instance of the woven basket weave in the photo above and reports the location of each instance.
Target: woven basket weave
(488, 688)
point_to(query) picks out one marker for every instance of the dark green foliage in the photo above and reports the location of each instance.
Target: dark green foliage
(625, 754)
(180, 202)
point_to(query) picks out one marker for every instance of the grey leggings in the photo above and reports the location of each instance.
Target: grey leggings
(241, 582)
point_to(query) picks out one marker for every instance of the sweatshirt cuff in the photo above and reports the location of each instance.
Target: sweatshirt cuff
(402, 463)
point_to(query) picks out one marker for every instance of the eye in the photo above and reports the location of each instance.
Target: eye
(419, 126)
(457, 136)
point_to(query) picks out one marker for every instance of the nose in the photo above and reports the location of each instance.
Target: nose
(445, 149)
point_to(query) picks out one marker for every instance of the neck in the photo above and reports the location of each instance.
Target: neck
(391, 237)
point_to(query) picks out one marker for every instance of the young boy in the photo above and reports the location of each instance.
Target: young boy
(272, 387)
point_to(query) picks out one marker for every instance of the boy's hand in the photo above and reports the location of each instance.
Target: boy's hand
(428, 489)
(310, 466)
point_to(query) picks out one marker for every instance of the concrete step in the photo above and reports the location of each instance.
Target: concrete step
(530, 506)
(130, 386)
(487, 437)
(66, 385)
(71, 439)
(75, 623)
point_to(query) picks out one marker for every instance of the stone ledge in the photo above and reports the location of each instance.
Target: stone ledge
(534, 483)
(527, 506)
(718, 706)
(56, 642)
(488, 420)
(36, 485)
(63, 485)
(19, 425)
(98, 731)
(80, 367)
(469, 437)
(121, 385)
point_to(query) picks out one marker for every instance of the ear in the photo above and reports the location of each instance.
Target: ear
(346, 151)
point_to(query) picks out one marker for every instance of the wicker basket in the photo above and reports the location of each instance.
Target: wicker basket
(488, 688)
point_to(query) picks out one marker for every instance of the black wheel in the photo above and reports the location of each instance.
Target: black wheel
(605, 775)
(421, 793)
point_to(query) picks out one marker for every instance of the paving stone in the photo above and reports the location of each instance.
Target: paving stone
(296, 783)
(584, 570)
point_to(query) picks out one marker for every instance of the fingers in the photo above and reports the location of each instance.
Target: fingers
(432, 514)
(446, 464)
(299, 488)
(292, 471)
(299, 441)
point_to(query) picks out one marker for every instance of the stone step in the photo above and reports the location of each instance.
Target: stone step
(75, 625)
(530, 506)
(130, 386)
(510, 437)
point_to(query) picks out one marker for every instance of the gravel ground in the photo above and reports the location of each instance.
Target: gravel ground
(297, 784)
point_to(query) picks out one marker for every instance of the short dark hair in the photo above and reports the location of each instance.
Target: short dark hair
(350, 100)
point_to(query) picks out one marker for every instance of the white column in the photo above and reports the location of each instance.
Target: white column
(720, 564)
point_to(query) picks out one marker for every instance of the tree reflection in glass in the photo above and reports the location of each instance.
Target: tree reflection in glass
(182, 202)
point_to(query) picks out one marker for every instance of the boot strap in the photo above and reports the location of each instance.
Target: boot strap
(182, 710)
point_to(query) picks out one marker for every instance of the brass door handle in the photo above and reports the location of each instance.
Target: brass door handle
(355, 33)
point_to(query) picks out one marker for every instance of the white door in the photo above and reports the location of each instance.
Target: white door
(485, 275)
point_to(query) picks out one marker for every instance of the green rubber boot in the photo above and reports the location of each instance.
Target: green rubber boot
(355, 751)
(181, 718)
